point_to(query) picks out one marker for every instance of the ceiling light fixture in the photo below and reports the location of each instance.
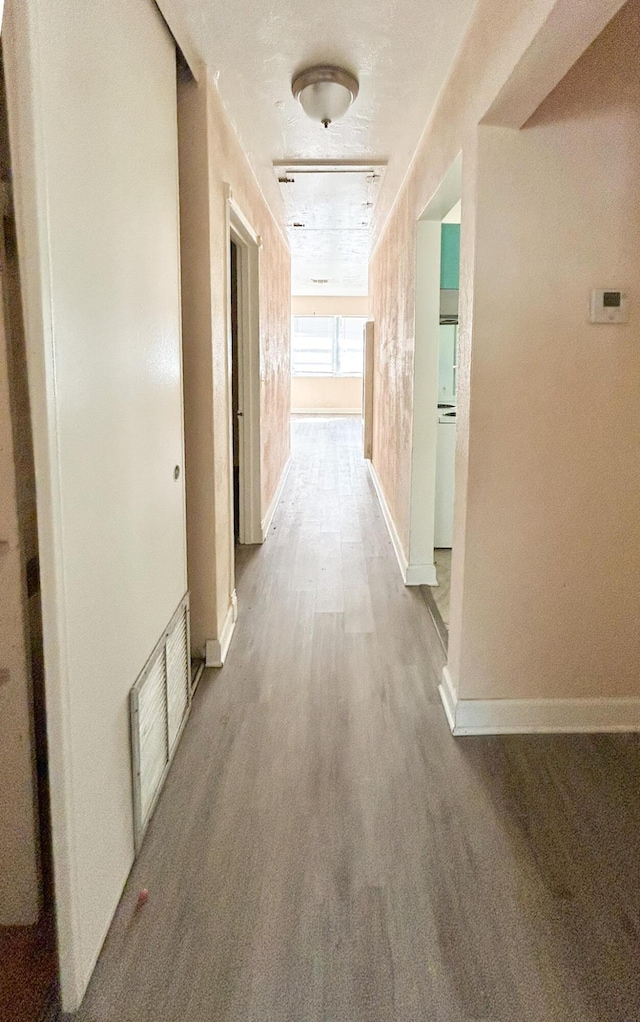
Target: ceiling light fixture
(325, 93)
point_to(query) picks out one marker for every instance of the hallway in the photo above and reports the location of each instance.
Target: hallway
(325, 850)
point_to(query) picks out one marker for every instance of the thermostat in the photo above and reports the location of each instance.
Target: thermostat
(608, 307)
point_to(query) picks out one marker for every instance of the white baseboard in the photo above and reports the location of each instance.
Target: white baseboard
(197, 674)
(412, 574)
(421, 575)
(391, 526)
(536, 716)
(449, 699)
(217, 649)
(268, 518)
(326, 411)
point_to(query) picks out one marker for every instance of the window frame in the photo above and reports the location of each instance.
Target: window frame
(335, 347)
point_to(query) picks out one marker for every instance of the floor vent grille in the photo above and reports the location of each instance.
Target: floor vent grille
(160, 701)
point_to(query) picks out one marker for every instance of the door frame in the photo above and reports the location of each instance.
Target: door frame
(248, 244)
(367, 390)
(421, 564)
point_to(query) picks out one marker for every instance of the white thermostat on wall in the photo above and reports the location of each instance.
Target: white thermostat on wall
(608, 306)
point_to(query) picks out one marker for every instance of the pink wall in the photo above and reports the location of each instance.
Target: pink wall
(552, 559)
(210, 159)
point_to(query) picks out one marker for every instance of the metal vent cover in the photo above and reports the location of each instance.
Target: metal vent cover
(159, 706)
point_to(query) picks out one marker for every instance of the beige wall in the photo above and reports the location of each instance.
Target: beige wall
(95, 178)
(313, 393)
(329, 305)
(326, 393)
(551, 594)
(211, 159)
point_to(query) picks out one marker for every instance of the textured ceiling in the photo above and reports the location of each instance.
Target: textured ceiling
(400, 50)
(329, 213)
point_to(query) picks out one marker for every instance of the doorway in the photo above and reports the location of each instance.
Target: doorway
(435, 396)
(244, 378)
(235, 405)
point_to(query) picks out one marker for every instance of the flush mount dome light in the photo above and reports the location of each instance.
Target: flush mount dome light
(325, 93)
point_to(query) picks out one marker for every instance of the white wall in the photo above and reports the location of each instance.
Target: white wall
(454, 216)
(92, 93)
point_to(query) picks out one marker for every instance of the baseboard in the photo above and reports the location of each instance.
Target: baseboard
(537, 716)
(421, 575)
(449, 699)
(197, 667)
(386, 513)
(436, 617)
(217, 649)
(326, 411)
(268, 518)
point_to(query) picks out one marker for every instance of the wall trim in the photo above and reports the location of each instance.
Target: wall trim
(537, 716)
(197, 668)
(326, 411)
(248, 245)
(391, 526)
(275, 500)
(217, 649)
(412, 574)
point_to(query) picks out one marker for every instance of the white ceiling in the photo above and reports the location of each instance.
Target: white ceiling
(329, 213)
(400, 51)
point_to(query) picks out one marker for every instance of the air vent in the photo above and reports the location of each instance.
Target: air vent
(160, 701)
(178, 670)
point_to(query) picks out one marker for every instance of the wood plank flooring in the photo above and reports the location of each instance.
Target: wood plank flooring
(325, 851)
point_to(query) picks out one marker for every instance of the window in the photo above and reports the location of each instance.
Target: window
(327, 345)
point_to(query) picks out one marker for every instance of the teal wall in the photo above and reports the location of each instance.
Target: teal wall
(450, 256)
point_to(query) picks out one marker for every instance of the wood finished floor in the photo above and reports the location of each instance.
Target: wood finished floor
(325, 851)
